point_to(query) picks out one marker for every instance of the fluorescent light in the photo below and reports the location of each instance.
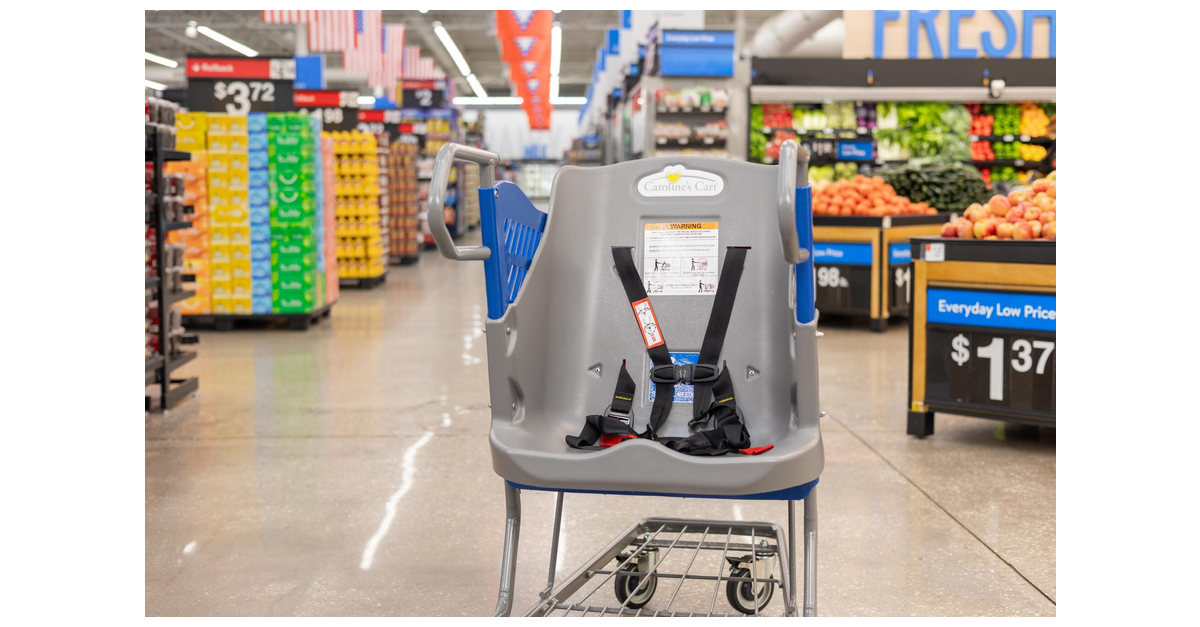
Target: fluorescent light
(491, 100)
(556, 11)
(171, 63)
(555, 49)
(155, 86)
(459, 60)
(477, 86)
(553, 87)
(569, 100)
(422, 10)
(215, 36)
(366, 100)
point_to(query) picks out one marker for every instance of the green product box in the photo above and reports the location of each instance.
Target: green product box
(291, 177)
(302, 189)
(288, 155)
(293, 214)
(304, 262)
(292, 159)
(292, 301)
(289, 140)
(288, 123)
(292, 245)
(292, 281)
(292, 229)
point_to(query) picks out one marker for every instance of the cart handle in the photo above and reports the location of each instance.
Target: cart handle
(793, 173)
(437, 197)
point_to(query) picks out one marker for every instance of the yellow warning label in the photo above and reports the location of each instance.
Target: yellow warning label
(680, 226)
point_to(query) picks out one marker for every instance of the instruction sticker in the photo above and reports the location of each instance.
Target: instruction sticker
(680, 258)
(684, 392)
(648, 323)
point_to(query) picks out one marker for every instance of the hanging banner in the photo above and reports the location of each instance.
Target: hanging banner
(525, 45)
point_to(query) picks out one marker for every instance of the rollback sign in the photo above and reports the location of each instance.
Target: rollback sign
(676, 180)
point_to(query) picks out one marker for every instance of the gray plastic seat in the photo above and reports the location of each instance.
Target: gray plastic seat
(571, 316)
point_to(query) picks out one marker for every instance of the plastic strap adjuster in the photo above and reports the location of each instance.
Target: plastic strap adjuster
(684, 373)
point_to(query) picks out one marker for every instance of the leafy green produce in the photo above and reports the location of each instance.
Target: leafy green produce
(944, 184)
(927, 129)
(758, 146)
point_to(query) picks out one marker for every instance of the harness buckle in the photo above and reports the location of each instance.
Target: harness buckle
(684, 373)
(624, 417)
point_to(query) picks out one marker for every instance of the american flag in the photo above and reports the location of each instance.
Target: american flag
(366, 53)
(328, 31)
(393, 57)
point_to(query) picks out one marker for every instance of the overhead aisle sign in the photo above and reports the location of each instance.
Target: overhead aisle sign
(337, 110)
(238, 86)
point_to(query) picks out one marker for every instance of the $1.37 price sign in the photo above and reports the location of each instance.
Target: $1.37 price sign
(992, 370)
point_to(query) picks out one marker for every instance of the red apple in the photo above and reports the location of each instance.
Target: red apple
(1050, 190)
(1022, 230)
(991, 237)
(1037, 228)
(1016, 196)
(966, 230)
(1050, 231)
(1040, 185)
(1047, 216)
(949, 230)
(1032, 213)
(985, 228)
(1004, 230)
(976, 213)
(999, 205)
(1015, 214)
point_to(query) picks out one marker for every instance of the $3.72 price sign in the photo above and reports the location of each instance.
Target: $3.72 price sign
(239, 96)
(1014, 372)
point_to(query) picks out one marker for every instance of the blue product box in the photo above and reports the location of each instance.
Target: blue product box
(261, 251)
(261, 268)
(259, 196)
(262, 304)
(256, 122)
(260, 215)
(260, 233)
(258, 141)
(260, 179)
(258, 160)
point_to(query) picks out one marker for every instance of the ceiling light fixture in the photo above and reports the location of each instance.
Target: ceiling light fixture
(459, 60)
(218, 37)
(476, 86)
(366, 100)
(171, 63)
(422, 11)
(555, 59)
(569, 100)
(492, 100)
(155, 86)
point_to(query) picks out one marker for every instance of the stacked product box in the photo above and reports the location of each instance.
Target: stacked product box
(229, 218)
(260, 215)
(329, 184)
(359, 228)
(319, 210)
(402, 194)
(293, 220)
(195, 239)
(383, 146)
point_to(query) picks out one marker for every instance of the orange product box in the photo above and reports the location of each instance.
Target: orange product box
(197, 305)
(196, 250)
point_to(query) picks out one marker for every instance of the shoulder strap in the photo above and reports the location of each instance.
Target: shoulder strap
(656, 342)
(718, 323)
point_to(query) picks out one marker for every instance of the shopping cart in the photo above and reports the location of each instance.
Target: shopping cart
(559, 337)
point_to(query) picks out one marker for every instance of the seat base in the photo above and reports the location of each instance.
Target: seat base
(796, 493)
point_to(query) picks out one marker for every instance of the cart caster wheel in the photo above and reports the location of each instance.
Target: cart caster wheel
(624, 585)
(739, 592)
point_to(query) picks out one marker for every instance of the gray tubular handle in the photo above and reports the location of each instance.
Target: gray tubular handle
(793, 173)
(437, 197)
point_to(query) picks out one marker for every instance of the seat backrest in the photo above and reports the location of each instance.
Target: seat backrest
(557, 349)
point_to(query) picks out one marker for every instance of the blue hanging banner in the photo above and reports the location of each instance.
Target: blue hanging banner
(310, 72)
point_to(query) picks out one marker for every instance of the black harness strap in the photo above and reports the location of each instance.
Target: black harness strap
(617, 419)
(718, 324)
(664, 392)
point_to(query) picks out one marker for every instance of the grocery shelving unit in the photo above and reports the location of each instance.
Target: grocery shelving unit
(159, 368)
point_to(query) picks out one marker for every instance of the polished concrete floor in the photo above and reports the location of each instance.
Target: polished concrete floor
(345, 471)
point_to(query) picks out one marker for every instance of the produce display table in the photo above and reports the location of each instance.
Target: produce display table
(981, 342)
(862, 263)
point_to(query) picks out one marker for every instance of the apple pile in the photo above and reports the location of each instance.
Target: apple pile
(1026, 213)
(863, 196)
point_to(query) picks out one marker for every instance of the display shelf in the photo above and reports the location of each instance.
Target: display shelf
(154, 363)
(879, 222)
(170, 155)
(720, 110)
(174, 297)
(364, 283)
(151, 281)
(1024, 139)
(181, 389)
(404, 260)
(987, 347)
(715, 142)
(175, 226)
(179, 359)
(1007, 163)
(227, 322)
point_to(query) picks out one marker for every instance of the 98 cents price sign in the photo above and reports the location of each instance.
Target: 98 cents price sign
(1005, 361)
(843, 274)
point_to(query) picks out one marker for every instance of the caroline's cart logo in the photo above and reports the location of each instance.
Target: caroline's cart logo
(677, 180)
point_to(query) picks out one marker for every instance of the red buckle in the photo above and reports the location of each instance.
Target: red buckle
(613, 440)
(756, 450)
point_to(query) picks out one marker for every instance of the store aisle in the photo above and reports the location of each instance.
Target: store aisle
(345, 471)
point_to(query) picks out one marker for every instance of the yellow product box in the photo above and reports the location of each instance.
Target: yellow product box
(217, 198)
(222, 289)
(240, 268)
(218, 144)
(241, 306)
(239, 252)
(220, 254)
(242, 288)
(219, 236)
(221, 305)
(238, 161)
(217, 182)
(236, 125)
(218, 164)
(220, 272)
(230, 216)
(239, 143)
(189, 142)
(375, 267)
(239, 179)
(192, 122)
(239, 235)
